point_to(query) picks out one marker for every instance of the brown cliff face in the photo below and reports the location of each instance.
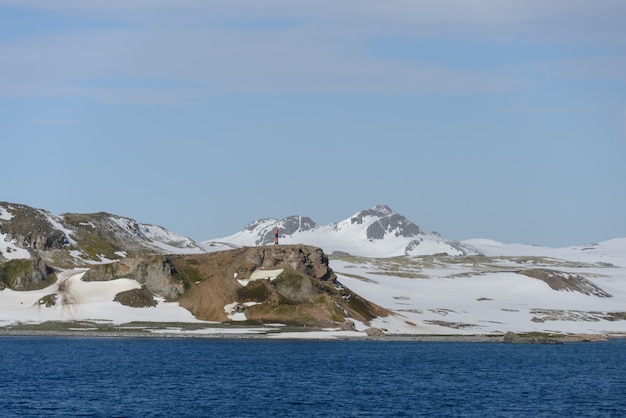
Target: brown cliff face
(305, 293)
(307, 260)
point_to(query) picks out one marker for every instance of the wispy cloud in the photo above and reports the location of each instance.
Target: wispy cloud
(201, 48)
(55, 121)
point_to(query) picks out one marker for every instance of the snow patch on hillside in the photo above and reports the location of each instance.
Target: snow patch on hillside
(5, 215)
(91, 301)
(170, 242)
(270, 275)
(55, 222)
(10, 251)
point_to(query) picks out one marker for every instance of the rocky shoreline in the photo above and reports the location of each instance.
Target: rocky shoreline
(509, 338)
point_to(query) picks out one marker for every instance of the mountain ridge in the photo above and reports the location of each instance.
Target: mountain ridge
(80, 239)
(377, 231)
(114, 235)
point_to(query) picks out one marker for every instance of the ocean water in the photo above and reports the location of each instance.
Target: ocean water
(50, 376)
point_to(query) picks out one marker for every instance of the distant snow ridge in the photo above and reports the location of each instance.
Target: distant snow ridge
(265, 229)
(373, 232)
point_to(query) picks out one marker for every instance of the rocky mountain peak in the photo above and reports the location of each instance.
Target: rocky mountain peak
(381, 221)
(296, 223)
(379, 211)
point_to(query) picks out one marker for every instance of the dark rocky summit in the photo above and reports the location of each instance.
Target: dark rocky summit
(389, 222)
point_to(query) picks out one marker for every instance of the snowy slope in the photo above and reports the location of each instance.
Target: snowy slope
(90, 301)
(493, 294)
(374, 232)
(611, 251)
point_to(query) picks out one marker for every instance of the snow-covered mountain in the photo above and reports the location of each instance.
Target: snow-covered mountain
(374, 232)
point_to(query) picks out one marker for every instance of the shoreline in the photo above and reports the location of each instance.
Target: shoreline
(276, 336)
(315, 336)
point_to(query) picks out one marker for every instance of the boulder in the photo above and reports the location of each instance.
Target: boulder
(304, 259)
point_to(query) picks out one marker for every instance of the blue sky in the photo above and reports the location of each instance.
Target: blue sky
(483, 119)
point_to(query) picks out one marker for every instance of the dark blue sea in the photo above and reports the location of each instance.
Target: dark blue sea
(50, 376)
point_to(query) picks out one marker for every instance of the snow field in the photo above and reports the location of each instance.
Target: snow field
(488, 302)
(92, 301)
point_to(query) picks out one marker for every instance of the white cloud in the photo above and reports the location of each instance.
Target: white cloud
(55, 121)
(515, 18)
(241, 46)
(218, 60)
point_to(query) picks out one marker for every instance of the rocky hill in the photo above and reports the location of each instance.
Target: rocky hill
(284, 284)
(75, 239)
(289, 284)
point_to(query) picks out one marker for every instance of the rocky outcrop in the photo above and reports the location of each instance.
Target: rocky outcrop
(38, 239)
(32, 228)
(31, 274)
(136, 298)
(305, 259)
(559, 280)
(161, 277)
(513, 338)
(304, 293)
(156, 272)
(295, 288)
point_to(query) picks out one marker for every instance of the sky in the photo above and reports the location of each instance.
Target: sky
(500, 119)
